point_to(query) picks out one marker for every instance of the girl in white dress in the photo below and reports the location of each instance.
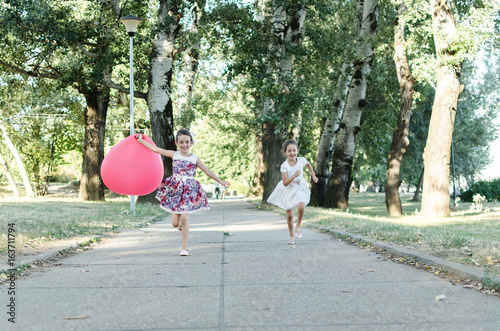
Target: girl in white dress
(293, 189)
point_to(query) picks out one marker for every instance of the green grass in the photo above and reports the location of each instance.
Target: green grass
(468, 236)
(47, 219)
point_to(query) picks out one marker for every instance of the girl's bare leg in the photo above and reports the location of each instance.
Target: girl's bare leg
(289, 221)
(184, 222)
(175, 220)
(300, 214)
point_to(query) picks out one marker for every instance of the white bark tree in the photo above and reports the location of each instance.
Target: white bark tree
(10, 178)
(287, 29)
(191, 59)
(159, 96)
(327, 140)
(20, 165)
(340, 178)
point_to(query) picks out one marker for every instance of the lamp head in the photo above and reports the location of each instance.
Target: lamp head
(131, 22)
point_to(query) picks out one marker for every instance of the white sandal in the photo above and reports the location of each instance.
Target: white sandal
(184, 252)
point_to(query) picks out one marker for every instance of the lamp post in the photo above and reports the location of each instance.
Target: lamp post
(131, 22)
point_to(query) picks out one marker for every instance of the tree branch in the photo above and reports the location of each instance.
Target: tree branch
(110, 83)
(28, 73)
(87, 53)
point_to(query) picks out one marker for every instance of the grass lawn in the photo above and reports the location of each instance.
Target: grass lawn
(469, 236)
(61, 216)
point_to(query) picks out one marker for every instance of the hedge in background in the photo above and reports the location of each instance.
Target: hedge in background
(488, 189)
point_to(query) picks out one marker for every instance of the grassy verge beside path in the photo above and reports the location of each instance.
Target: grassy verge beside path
(45, 220)
(469, 236)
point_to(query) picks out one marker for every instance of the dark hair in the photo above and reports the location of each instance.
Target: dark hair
(290, 142)
(183, 132)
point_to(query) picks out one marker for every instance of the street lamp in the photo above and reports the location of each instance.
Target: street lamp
(131, 22)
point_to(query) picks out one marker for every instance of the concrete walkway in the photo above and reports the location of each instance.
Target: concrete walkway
(249, 280)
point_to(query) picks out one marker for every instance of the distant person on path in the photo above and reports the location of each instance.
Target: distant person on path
(181, 194)
(217, 190)
(293, 189)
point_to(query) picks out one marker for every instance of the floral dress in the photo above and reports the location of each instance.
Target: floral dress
(287, 197)
(181, 193)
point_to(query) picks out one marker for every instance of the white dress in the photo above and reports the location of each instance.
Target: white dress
(287, 197)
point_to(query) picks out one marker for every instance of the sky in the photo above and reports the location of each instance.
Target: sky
(493, 170)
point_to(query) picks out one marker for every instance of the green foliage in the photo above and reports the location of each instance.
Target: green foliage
(223, 134)
(45, 38)
(488, 189)
(478, 108)
(246, 40)
(44, 124)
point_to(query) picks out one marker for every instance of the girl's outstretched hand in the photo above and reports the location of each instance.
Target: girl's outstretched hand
(225, 184)
(315, 179)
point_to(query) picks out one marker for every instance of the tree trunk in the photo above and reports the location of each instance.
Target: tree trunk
(20, 165)
(258, 181)
(49, 166)
(340, 178)
(271, 140)
(327, 140)
(436, 189)
(160, 85)
(191, 58)
(416, 196)
(91, 185)
(400, 141)
(36, 170)
(273, 157)
(12, 182)
(187, 116)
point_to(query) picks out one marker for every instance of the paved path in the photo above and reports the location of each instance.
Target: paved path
(250, 280)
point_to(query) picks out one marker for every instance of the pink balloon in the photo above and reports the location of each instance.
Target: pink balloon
(130, 168)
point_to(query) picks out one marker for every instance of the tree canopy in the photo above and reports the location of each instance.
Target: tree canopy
(264, 70)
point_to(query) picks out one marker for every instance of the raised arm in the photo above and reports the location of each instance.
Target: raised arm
(156, 149)
(210, 173)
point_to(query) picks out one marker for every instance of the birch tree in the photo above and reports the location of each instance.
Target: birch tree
(159, 96)
(281, 24)
(347, 22)
(327, 139)
(191, 62)
(20, 165)
(287, 24)
(340, 176)
(10, 178)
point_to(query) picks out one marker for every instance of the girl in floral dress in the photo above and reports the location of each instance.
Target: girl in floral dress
(181, 194)
(293, 190)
